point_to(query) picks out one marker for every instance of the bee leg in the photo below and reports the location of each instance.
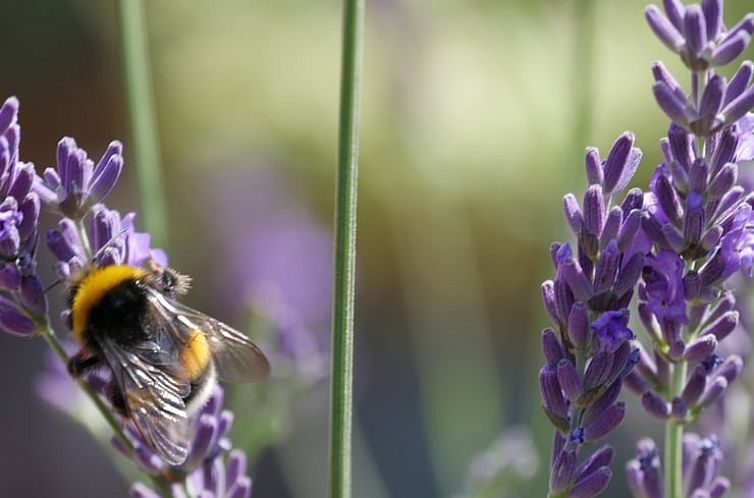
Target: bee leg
(81, 362)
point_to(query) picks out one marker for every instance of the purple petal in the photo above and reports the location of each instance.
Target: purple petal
(731, 48)
(592, 485)
(664, 29)
(738, 82)
(616, 161)
(103, 182)
(694, 29)
(673, 106)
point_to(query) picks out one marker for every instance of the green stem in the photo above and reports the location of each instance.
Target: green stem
(674, 438)
(84, 239)
(345, 253)
(141, 117)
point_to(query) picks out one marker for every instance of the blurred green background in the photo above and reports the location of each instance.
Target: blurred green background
(474, 120)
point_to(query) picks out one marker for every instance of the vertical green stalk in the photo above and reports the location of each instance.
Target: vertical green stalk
(674, 438)
(341, 386)
(141, 117)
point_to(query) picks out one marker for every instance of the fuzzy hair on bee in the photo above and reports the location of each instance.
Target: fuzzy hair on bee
(163, 355)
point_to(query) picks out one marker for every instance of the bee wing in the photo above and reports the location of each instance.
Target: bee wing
(236, 357)
(154, 397)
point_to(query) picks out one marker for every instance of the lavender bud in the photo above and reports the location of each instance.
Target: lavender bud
(674, 238)
(655, 405)
(675, 107)
(104, 180)
(698, 176)
(578, 325)
(14, 321)
(634, 200)
(680, 176)
(714, 391)
(726, 303)
(612, 225)
(29, 209)
(606, 270)
(605, 401)
(562, 471)
(569, 380)
(577, 281)
(713, 15)
(629, 229)
(695, 30)
(663, 369)
(711, 239)
(694, 222)
(664, 30)
(605, 422)
(730, 49)
(731, 368)
(551, 347)
(682, 143)
(692, 284)
(668, 199)
(723, 326)
(591, 485)
(719, 487)
(709, 107)
(628, 275)
(617, 160)
(700, 348)
(742, 104)
(594, 172)
(563, 298)
(675, 12)
(10, 278)
(723, 181)
(597, 371)
(552, 397)
(635, 478)
(594, 210)
(548, 298)
(648, 320)
(695, 387)
(701, 470)
(736, 86)
(573, 213)
(32, 295)
(598, 459)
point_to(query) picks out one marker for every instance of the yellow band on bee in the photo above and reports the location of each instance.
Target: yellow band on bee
(196, 355)
(92, 288)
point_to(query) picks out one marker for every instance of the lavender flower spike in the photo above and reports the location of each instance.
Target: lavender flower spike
(586, 302)
(76, 184)
(23, 305)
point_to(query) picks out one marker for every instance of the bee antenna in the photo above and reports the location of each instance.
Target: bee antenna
(108, 244)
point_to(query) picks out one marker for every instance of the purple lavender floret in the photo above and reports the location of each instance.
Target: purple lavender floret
(111, 238)
(205, 473)
(697, 33)
(23, 305)
(76, 183)
(701, 462)
(589, 351)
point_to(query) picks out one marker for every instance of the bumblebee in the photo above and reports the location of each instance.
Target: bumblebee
(164, 356)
